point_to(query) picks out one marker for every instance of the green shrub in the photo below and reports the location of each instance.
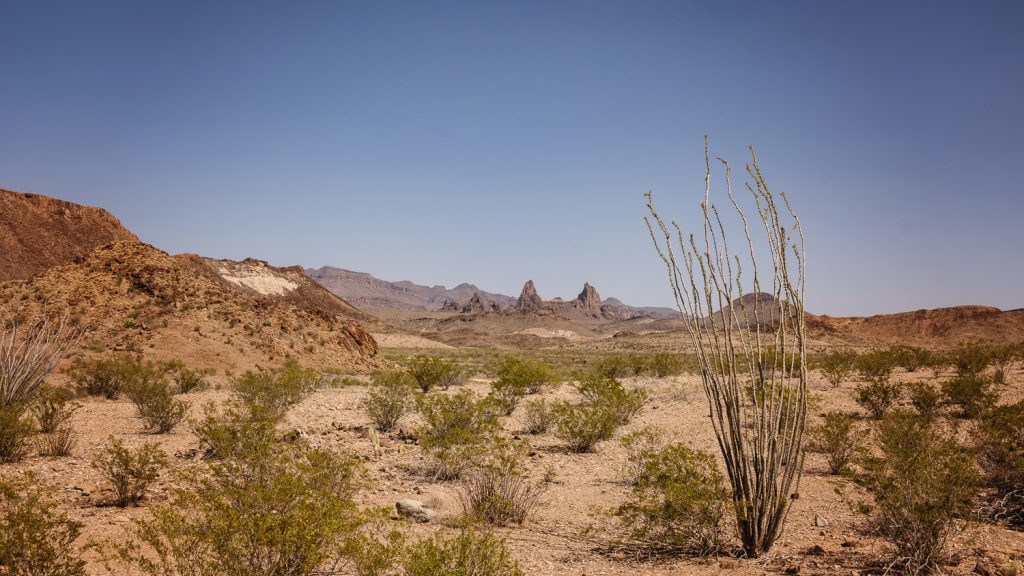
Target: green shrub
(36, 539)
(276, 391)
(972, 393)
(16, 432)
(278, 510)
(598, 390)
(620, 366)
(877, 397)
(678, 500)
(971, 359)
(538, 418)
(156, 405)
(641, 445)
(226, 432)
(837, 367)
(496, 489)
(130, 471)
(187, 379)
(922, 482)
(470, 553)
(527, 376)
(59, 442)
(910, 358)
(835, 438)
(433, 373)
(925, 399)
(876, 367)
(112, 375)
(663, 364)
(1002, 359)
(455, 428)
(1001, 456)
(582, 427)
(53, 408)
(389, 398)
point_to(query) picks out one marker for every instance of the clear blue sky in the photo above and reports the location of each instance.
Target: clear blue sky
(487, 142)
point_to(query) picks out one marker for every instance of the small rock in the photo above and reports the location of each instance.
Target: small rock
(849, 542)
(794, 569)
(820, 521)
(727, 564)
(415, 509)
(816, 550)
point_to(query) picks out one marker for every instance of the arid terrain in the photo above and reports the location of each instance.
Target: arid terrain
(226, 317)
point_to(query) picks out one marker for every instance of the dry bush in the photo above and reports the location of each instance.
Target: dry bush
(432, 372)
(59, 442)
(156, 404)
(1002, 359)
(497, 489)
(539, 417)
(836, 438)
(922, 482)
(998, 436)
(276, 391)
(35, 538)
(678, 501)
(455, 429)
(837, 367)
(27, 358)
(130, 471)
(391, 397)
(878, 397)
(469, 553)
(926, 399)
(972, 393)
(738, 340)
(16, 432)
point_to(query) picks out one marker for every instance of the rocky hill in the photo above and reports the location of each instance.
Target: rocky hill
(365, 291)
(937, 328)
(38, 232)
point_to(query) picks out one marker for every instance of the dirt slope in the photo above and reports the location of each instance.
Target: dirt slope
(37, 232)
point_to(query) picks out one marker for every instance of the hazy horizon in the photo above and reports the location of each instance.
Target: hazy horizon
(495, 143)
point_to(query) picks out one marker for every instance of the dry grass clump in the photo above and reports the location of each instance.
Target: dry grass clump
(130, 471)
(390, 397)
(923, 482)
(59, 442)
(35, 538)
(497, 489)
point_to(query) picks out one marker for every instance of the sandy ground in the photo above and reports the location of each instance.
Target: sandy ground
(570, 532)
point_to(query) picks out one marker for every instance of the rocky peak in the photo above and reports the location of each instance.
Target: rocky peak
(588, 299)
(528, 298)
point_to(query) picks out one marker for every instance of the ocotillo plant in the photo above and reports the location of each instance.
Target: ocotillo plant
(26, 361)
(750, 350)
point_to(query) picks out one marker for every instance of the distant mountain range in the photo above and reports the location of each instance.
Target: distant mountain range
(363, 290)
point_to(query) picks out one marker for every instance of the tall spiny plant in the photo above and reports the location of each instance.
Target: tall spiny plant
(26, 360)
(743, 345)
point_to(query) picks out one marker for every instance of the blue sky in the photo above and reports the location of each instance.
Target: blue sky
(485, 142)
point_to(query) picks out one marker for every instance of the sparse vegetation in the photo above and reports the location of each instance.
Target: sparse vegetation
(434, 372)
(538, 417)
(878, 397)
(1001, 456)
(972, 393)
(497, 489)
(35, 538)
(837, 367)
(130, 471)
(455, 427)
(835, 438)
(922, 481)
(276, 391)
(391, 397)
(469, 553)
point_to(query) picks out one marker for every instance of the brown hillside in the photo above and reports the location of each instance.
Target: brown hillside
(37, 232)
(940, 327)
(216, 313)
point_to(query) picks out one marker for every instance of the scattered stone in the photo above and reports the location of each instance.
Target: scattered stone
(414, 509)
(820, 521)
(816, 550)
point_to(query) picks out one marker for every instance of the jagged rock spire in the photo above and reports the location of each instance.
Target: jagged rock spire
(528, 298)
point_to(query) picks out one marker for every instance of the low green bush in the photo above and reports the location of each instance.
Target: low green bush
(53, 408)
(664, 364)
(836, 438)
(518, 378)
(433, 372)
(926, 399)
(16, 432)
(609, 393)
(878, 397)
(156, 404)
(640, 446)
(837, 367)
(910, 358)
(130, 471)
(583, 427)
(469, 553)
(390, 397)
(110, 376)
(276, 391)
(922, 482)
(972, 393)
(876, 367)
(998, 439)
(455, 428)
(187, 379)
(678, 500)
(227, 431)
(538, 417)
(36, 539)
(971, 359)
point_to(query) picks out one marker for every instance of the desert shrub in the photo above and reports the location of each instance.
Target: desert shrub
(1002, 358)
(433, 373)
(582, 427)
(187, 379)
(837, 367)
(678, 501)
(52, 408)
(538, 417)
(226, 432)
(836, 439)
(663, 364)
(35, 538)
(469, 553)
(620, 365)
(878, 396)
(876, 367)
(922, 482)
(972, 393)
(530, 376)
(130, 471)
(910, 358)
(111, 375)
(455, 428)
(156, 405)
(640, 446)
(1001, 456)
(276, 391)
(497, 489)
(608, 393)
(971, 358)
(16, 431)
(59, 442)
(926, 399)
(282, 509)
(389, 398)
